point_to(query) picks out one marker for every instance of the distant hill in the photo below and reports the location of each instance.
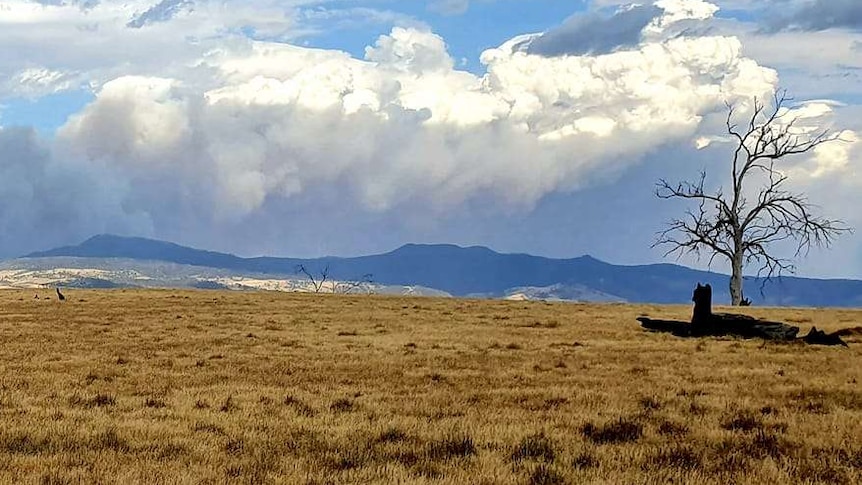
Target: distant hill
(481, 272)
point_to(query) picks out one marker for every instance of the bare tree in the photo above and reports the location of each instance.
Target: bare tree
(362, 284)
(318, 284)
(743, 226)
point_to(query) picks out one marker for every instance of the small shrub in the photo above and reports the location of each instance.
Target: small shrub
(820, 471)
(228, 405)
(108, 440)
(768, 410)
(650, 403)
(391, 435)
(620, 431)
(342, 405)
(428, 470)
(23, 444)
(101, 400)
(300, 407)
(154, 403)
(669, 428)
(697, 409)
(208, 428)
(584, 460)
(554, 403)
(234, 446)
(166, 451)
(534, 447)
(233, 471)
(452, 447)
(54, 479)
(680, 456)
(744, 421)
(765, 444)
(545, 475)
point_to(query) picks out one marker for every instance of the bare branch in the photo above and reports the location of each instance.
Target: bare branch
(346, 287)
(316, 284)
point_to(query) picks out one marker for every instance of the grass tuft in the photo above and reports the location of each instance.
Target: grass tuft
(455, 446)
(546, 475)
(298, 406)
(623, 430)
(341, 405)
(534, 447)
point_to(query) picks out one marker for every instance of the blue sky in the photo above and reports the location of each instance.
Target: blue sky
(310, 127)
(481, 26)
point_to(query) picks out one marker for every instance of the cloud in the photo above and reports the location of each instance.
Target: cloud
(403, 128)
(594, 34)
(449, 7)
(84, 44)
(48, 200)
(160, 12)
(232, 143)
(818, 15)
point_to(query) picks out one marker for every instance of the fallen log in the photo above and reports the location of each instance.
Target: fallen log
(680, 329)
(705, 323)
(819, 337)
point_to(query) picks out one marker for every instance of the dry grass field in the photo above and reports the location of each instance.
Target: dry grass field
(218, 387)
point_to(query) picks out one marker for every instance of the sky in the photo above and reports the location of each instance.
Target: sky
(348, 127)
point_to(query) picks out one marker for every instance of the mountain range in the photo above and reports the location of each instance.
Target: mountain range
(458, 271)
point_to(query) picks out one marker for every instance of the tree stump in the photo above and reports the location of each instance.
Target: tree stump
(705, 323)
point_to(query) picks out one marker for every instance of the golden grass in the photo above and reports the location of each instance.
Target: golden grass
(219, 387)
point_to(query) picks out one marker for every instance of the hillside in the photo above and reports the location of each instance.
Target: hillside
(482, 272)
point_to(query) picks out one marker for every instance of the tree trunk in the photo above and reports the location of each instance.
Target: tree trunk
(736, 279)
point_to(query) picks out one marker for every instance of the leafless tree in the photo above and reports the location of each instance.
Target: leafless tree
(317, 283)
(743, 225)
(362, 284)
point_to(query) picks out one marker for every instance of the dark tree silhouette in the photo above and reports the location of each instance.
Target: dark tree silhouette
(60, 295)
(743, 224)
(317, 283)
(362, 284)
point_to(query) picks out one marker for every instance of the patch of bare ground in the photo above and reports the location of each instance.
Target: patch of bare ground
(315, 389)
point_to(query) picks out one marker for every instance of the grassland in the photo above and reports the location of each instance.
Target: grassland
(218, 387)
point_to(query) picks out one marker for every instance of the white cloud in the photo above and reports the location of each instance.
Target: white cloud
(203, 131)
(86, 47)
(405, 126)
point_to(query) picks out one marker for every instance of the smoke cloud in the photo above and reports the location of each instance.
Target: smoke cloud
(261, 139)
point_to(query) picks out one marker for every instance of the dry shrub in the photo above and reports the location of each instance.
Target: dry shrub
(623, 430)
(453, 446)
(743, 420)
(670, 428)
(682, 457)
(546, 475)
(584, 460)
(341, 405)
(298, 406)
(534, 447)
